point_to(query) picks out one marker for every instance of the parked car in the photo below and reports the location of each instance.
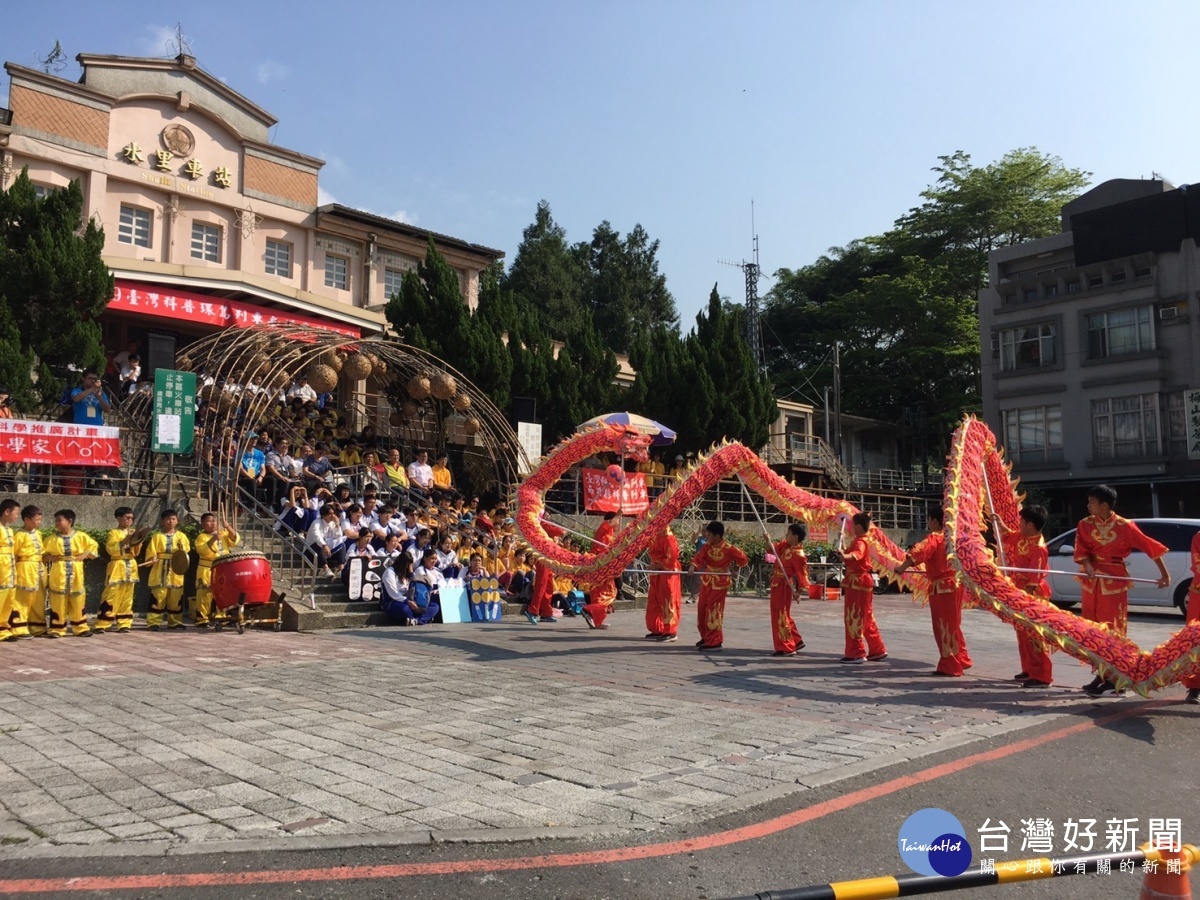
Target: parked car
(1175, 533)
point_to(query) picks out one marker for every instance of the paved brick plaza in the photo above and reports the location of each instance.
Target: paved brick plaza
(178, 740)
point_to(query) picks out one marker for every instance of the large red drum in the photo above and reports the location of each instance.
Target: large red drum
(241, 574)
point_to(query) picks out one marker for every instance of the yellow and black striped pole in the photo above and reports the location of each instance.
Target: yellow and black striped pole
(1010, 872)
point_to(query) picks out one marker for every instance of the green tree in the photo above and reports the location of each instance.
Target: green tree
(430, 313)
(623, 288)
(53, 287)
(909, 296)
(546, 273)
(705, 385)
(743, 403)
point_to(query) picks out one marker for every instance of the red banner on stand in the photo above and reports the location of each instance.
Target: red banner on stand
(59, 444)
(602, 494)
(176, 303)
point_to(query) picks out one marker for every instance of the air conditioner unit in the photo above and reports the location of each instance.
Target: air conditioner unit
(1169, 312)
(995, 344)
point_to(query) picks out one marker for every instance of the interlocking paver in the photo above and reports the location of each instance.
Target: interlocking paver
(517, 727)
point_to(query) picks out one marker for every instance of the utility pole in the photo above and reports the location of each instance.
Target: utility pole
(837, 400)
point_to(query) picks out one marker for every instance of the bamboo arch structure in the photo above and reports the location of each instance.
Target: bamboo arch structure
(272, 356)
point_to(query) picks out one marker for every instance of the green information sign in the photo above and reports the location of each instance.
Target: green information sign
(174, 411)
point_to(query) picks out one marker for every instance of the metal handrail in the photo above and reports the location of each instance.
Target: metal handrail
(282, 547)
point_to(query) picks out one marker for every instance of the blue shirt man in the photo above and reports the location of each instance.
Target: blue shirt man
(88, 403)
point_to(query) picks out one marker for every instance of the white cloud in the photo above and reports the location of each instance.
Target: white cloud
(269, 70)
(403, 215)
(157, 40)
(324, 197)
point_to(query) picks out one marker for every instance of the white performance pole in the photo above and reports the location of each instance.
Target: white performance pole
(767, 535)
(987, 489)
(574, 532)
(1076, 574)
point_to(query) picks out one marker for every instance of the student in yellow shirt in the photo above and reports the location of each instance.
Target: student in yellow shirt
(443, 479)
(30, 575)
(166, 587)
(116, 603)
(349, 455)
(10, 510)
(65, 552)
(212, 543)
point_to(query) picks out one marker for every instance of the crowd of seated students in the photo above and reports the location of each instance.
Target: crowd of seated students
(438, 534)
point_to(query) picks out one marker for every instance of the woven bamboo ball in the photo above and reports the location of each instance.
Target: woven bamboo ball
(259, 363)
(409, 409)
(443, 386)
(378, 366)
(333, 359)
(184, 363)
(322, 378)
(357, 367)
(396, 419)
(419, 387)
(473, 425)
(462, 402)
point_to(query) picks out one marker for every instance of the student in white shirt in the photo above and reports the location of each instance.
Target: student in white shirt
(326, 541)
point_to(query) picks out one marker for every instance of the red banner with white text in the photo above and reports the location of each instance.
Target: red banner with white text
(58, 444)
(204, 309)
(603, 494)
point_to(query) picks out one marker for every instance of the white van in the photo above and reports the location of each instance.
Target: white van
(1175, 533)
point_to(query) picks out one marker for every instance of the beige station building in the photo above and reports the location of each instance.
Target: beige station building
(207, 223)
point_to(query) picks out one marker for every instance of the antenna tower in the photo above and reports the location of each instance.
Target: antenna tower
(753, 272)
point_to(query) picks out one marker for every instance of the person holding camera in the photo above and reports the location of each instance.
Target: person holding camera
(88, 403)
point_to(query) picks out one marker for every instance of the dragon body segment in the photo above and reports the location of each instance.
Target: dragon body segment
(726, 460)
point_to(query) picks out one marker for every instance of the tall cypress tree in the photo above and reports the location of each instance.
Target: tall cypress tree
(743, 405)
(54, 286)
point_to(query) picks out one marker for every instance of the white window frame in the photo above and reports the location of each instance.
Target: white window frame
(1033, 434)
(1021, 349)
(136, 225)
(206, 242)
(1130, 329)
(277, 258)
(333, 271)
(398, 274)
(1127, 427)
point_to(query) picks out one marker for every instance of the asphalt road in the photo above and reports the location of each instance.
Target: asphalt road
(1113, 758)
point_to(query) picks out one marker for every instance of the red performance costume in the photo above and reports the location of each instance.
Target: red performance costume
(1192, 682)
(601, 598)
(1030, 553)
(945, 604)
(543, 590)
(1106, 544)
(789, 575)
(665, 599)
(858, 593)
(714, 558)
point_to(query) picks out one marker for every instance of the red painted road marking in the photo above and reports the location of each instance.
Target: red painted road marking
(560, 860)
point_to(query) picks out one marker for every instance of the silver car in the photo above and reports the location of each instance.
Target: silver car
(1175, 533)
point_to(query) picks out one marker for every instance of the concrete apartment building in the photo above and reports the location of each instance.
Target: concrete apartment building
(1091, 350)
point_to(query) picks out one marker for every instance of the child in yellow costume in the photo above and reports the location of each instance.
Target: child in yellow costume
(65, 552)
(31, 576)
(212, 543)
(166, 586)
(116, 603)
(10, 511)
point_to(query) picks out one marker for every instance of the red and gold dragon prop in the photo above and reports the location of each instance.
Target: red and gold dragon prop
(973, 452)
(967, 490)
(725, 460)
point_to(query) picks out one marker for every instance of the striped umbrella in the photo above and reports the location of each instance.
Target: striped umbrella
(660, 432)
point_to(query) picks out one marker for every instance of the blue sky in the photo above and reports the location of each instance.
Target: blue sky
(460, 116)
